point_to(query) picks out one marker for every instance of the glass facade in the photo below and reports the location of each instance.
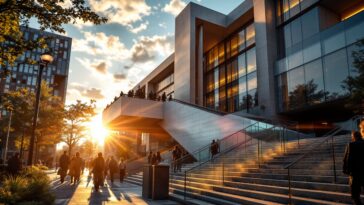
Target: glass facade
(312, 71)
(230, 73)
(24, 75)
(286, 9)
(165, 85)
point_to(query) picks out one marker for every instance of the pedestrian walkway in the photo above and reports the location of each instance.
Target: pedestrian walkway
(83, 193)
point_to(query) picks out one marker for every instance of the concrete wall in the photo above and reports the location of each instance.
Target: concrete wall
(134, 107)
(266, 53)
(186, 54)
(194, 128)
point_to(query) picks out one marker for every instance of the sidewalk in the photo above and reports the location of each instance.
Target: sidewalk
(82, 194)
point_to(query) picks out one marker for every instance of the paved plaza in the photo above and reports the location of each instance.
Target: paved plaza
(83, 193)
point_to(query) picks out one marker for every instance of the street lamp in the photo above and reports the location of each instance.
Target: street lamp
(45, 59)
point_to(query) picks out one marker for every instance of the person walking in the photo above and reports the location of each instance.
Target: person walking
(77, 167)
(153, 161)
(150, 157)
(354, 166)
(213, 148)
(122, 169)
(113, 167)
(158, 158)
(63, 166)
(106, 170)
(14, 165)
(98, 171)
(71, 169)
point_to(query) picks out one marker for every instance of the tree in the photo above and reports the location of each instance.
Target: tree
(355, 84)
(51, 15)
(50, 116)
(74, 122)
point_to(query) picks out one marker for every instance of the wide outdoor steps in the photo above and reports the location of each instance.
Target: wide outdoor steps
(246, 181)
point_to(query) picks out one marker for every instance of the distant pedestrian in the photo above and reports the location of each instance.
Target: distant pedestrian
(158, 158)
(153, 161)
(213, 148)
(76, 168)
(354, 166)
(113, 168)
(63, 165)
(106, 170)
(176, 157)
(14, 165)
(71, 169)
(150, 157)
(122, 169)
(98, 170)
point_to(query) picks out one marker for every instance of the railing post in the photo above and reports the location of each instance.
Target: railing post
(333, 157)
(258, 153)
(185, 186)
(223, 171)
(289, 187)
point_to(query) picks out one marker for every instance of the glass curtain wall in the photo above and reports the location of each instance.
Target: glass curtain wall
(316, 72)
(230, 73)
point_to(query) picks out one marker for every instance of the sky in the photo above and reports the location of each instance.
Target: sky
(115, 56)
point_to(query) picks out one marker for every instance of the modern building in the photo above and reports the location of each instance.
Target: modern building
(282, 59)
(24, 75)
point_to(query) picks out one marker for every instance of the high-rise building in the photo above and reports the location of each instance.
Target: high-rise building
(284, 59)
(24, 75)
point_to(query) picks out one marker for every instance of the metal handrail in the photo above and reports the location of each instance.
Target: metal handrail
(209, 145)
(220, 155)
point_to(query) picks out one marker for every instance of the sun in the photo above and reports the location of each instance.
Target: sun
(97, 131)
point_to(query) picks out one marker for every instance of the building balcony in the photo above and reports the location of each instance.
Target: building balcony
(128, 113)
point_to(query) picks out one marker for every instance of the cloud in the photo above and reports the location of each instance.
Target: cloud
(99, 44)
(141, 27)
(124, 12)
(119, 76)
(147, 48)
(101, 67)
(174, 7)
(93, 93)
(162, 25)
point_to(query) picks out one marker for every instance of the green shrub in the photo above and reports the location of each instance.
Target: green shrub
(31, 187)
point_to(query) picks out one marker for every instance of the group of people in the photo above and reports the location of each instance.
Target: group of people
(353, 163)
(154, 158)
(98, 167)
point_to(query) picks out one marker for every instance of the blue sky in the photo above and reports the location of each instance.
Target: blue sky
(113, 57)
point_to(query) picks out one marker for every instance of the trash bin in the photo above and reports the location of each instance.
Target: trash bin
(160, 184)
(147, 181)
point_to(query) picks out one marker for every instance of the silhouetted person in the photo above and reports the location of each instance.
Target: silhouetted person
(113, 168)
(214, 147)
(354, 165)
(14, 165)
(164, 97)
(170, 98)
(63, 165)
(122, 168)
(98, 171)
(153, 161)
(71, 168)
(158, 158)
(150, 157)
(76, 165)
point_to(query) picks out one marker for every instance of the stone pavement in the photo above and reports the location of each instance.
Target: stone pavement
(83, 193)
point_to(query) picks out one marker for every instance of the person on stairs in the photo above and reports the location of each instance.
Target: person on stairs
(354, 166)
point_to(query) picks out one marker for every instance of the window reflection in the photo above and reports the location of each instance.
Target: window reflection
(231, 78)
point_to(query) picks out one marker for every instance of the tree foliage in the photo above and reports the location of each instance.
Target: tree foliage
(50, 118)
(50, 14)
(75, 117)
(355, 83)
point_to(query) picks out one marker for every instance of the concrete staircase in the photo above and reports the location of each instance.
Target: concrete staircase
(249, 181)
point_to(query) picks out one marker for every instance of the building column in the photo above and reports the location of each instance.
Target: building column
(200, 77)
